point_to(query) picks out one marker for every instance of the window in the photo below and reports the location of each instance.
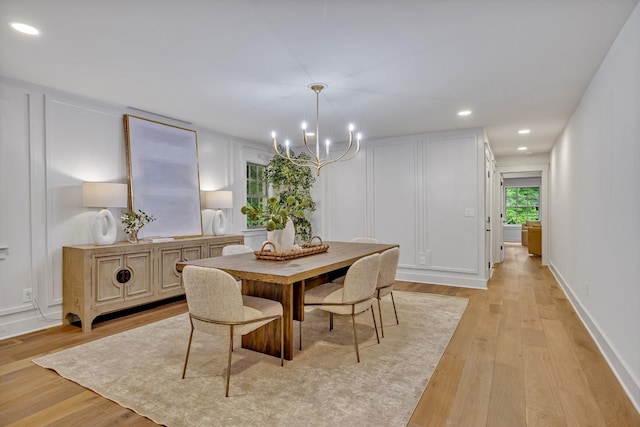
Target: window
(522, 204)
(256, 189)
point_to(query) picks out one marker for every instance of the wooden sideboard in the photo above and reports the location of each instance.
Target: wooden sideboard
(103, 279)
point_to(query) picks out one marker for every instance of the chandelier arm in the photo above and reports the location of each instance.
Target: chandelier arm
(304, 139)
(291, 159)
(346, 151)
(328, 162)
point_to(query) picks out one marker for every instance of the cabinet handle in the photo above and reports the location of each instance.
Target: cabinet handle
(123, 276)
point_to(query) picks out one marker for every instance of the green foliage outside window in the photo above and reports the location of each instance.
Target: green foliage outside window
(256, 191)
(522, 204)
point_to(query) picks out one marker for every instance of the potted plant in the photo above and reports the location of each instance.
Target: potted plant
(277, 217)
(133, 222)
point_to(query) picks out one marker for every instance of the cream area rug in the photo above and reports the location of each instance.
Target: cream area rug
(322, 386)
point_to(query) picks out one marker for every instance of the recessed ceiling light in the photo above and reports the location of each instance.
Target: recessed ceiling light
(464, 113)
(24, 28)
(524, 131)
(522, 148)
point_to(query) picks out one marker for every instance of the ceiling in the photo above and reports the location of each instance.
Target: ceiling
(392, 67)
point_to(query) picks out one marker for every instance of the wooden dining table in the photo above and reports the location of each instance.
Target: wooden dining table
(285, 282)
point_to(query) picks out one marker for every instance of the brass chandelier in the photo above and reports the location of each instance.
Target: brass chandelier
(318, 159)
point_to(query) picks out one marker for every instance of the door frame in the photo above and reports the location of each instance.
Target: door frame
(544, 200)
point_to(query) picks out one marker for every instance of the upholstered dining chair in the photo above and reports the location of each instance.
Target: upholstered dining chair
(357, 240)
(217, 307)
(386, 279)
(365, 240)
(354, 297)
(236, 249)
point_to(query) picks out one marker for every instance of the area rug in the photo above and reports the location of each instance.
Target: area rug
(323, 385)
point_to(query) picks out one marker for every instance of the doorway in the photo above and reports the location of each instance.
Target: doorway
(526, 174)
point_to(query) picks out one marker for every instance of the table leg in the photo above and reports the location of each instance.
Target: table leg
(267, 338)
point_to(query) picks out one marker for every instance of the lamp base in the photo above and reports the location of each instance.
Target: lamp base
(219, 223)
(103, 229)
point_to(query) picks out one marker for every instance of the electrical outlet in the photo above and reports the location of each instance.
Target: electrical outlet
(423, 260)
(587, 291)
(27, 295)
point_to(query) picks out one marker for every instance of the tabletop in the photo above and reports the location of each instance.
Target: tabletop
(246, 266)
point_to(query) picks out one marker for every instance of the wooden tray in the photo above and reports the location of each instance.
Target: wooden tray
(307, 249)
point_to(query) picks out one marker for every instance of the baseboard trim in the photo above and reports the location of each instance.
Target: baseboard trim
(630, 384)
(412, 275)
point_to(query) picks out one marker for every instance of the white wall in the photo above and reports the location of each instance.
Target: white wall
(595, 200)
(51, 142)
(425, 192)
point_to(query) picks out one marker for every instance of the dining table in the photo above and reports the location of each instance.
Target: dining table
(285, 281)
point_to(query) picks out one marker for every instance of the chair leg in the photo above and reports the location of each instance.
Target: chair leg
(330, 321)
(355, 336)
(380, 312)
(394, 309)
(282, 340)
(375, 326)
(300, 322)
(186, 359)
(226, 394)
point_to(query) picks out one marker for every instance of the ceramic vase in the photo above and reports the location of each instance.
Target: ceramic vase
(283, 239)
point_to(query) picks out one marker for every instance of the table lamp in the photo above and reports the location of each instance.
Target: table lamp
(104, 195)
(218, 200)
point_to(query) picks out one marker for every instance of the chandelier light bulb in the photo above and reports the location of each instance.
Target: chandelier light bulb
(351, 127)
(304, 125)
(359, 136)
(273, 134)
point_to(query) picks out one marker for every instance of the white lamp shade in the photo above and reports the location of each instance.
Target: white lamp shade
(104, 195)
(218, 199)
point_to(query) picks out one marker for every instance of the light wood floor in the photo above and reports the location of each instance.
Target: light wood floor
(519, 357)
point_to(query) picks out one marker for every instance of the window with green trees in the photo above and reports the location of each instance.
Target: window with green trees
(522, 204)
(256, 190)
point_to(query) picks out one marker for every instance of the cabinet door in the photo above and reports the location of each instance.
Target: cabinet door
(140, 284)
(215, 249)
(191, 253)
(107, 289)
(169, 276)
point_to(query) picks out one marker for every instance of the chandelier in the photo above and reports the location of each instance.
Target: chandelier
(319, 157)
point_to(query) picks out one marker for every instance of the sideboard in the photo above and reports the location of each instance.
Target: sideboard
(103, 279)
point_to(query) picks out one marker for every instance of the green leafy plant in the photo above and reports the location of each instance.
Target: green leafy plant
(134, 221)
(275, 213)
(290, 180)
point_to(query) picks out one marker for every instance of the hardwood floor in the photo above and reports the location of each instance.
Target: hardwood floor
(519, 357)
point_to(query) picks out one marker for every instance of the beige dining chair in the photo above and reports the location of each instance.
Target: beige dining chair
(357, 240)
(217, 307)
(236, 249)
(354, 297)
(365, 240)
(386, 278)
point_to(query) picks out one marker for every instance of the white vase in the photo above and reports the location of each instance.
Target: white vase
(283, 239)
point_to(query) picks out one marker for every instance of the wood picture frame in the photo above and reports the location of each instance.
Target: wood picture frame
(164, 180)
